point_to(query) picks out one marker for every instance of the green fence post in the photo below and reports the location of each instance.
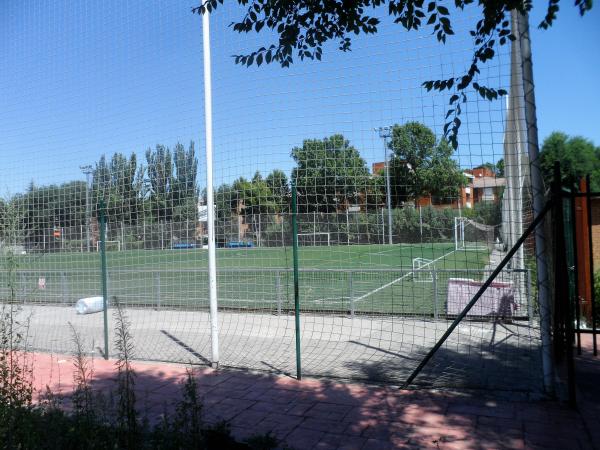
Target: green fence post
(278, 291)
(104, 273)
(351, 294)
(296, 276)
(157, 289)
(435, 293)
(529, 295)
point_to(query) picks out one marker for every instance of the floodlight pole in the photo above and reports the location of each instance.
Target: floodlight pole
(208, 133)
(87, 170)
(520, 25)
(385, 133)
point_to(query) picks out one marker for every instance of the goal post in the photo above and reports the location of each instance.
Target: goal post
(111, 246)
(422, 270)
(474, 236)
(459, 233)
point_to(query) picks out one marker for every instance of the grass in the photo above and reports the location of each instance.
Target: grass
(364, 278)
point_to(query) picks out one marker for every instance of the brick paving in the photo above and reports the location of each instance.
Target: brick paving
(337, 415)
(587, 367)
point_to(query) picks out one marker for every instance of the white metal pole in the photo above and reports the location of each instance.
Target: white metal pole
(456, 233)
(388, 191)
(208, 130)
(521, 24)
(347, 228)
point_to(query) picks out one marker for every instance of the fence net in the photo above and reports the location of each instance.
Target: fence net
(396, 228)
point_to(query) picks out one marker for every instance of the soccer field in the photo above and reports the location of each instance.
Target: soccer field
(344, 279)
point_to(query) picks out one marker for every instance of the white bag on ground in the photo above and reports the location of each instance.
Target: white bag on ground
(89, 305)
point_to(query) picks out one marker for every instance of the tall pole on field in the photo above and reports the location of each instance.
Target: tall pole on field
(385, 133)
(208, 133)
(104, 274)
(296, 279)
(87, 170)
(523, 46)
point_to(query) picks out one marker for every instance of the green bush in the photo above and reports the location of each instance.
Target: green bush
(488, 213)
(431, 225)
(93, 422)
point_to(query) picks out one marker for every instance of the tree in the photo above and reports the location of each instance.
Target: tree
(303, 27)
(226, 226)
(328, 174)
(277, 182)
(254, 197)
(185, 190)
(117, 184)
(500, 167)
(578, 157)
(160, 175)
(43, 209)
(420, 165)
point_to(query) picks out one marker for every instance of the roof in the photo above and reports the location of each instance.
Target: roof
(483, 182)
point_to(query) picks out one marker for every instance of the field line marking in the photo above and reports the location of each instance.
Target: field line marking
(374, 291)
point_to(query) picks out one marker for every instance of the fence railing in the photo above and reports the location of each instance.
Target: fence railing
(406, 291)
(410, 225)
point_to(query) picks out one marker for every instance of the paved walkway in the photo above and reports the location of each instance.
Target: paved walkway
(335, 415)
(587, 377)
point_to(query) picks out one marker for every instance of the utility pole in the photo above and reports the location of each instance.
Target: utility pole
(87, 170)
(385, 133)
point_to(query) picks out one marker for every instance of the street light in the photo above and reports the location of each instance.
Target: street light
(385, 133)
(87, 170)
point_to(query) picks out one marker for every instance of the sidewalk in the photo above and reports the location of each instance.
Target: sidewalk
(336, 415)
(587, 377)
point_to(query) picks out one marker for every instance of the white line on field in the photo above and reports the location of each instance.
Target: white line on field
(374, 291)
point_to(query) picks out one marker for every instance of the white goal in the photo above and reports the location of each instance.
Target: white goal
(314, 239)
(111, 246)
(471, 235)
(422, 270)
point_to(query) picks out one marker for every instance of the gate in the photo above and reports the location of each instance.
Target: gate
(576, 232)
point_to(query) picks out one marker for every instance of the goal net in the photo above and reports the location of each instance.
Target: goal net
(471, 235)
(423, 270)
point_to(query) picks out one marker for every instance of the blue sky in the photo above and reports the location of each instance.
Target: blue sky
(84, 78)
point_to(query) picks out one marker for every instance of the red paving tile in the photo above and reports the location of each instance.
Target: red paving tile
(334, 415)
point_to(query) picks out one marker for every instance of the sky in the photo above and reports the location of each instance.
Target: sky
(82, 79)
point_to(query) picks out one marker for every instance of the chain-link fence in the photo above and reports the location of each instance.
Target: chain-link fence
(397, 225)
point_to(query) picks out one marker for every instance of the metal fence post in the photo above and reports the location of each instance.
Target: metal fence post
(529, 305)
(435, 293)
(157, 288)
(588, 189)
(576, 299)
(104, 273)
(351, 294)
(65, 287)
(296, 278)
(22, 282)
(278, 291)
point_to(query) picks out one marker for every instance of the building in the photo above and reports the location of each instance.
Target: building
(486, 186)
(481, 185)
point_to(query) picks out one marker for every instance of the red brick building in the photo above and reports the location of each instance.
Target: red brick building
(482, 185)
